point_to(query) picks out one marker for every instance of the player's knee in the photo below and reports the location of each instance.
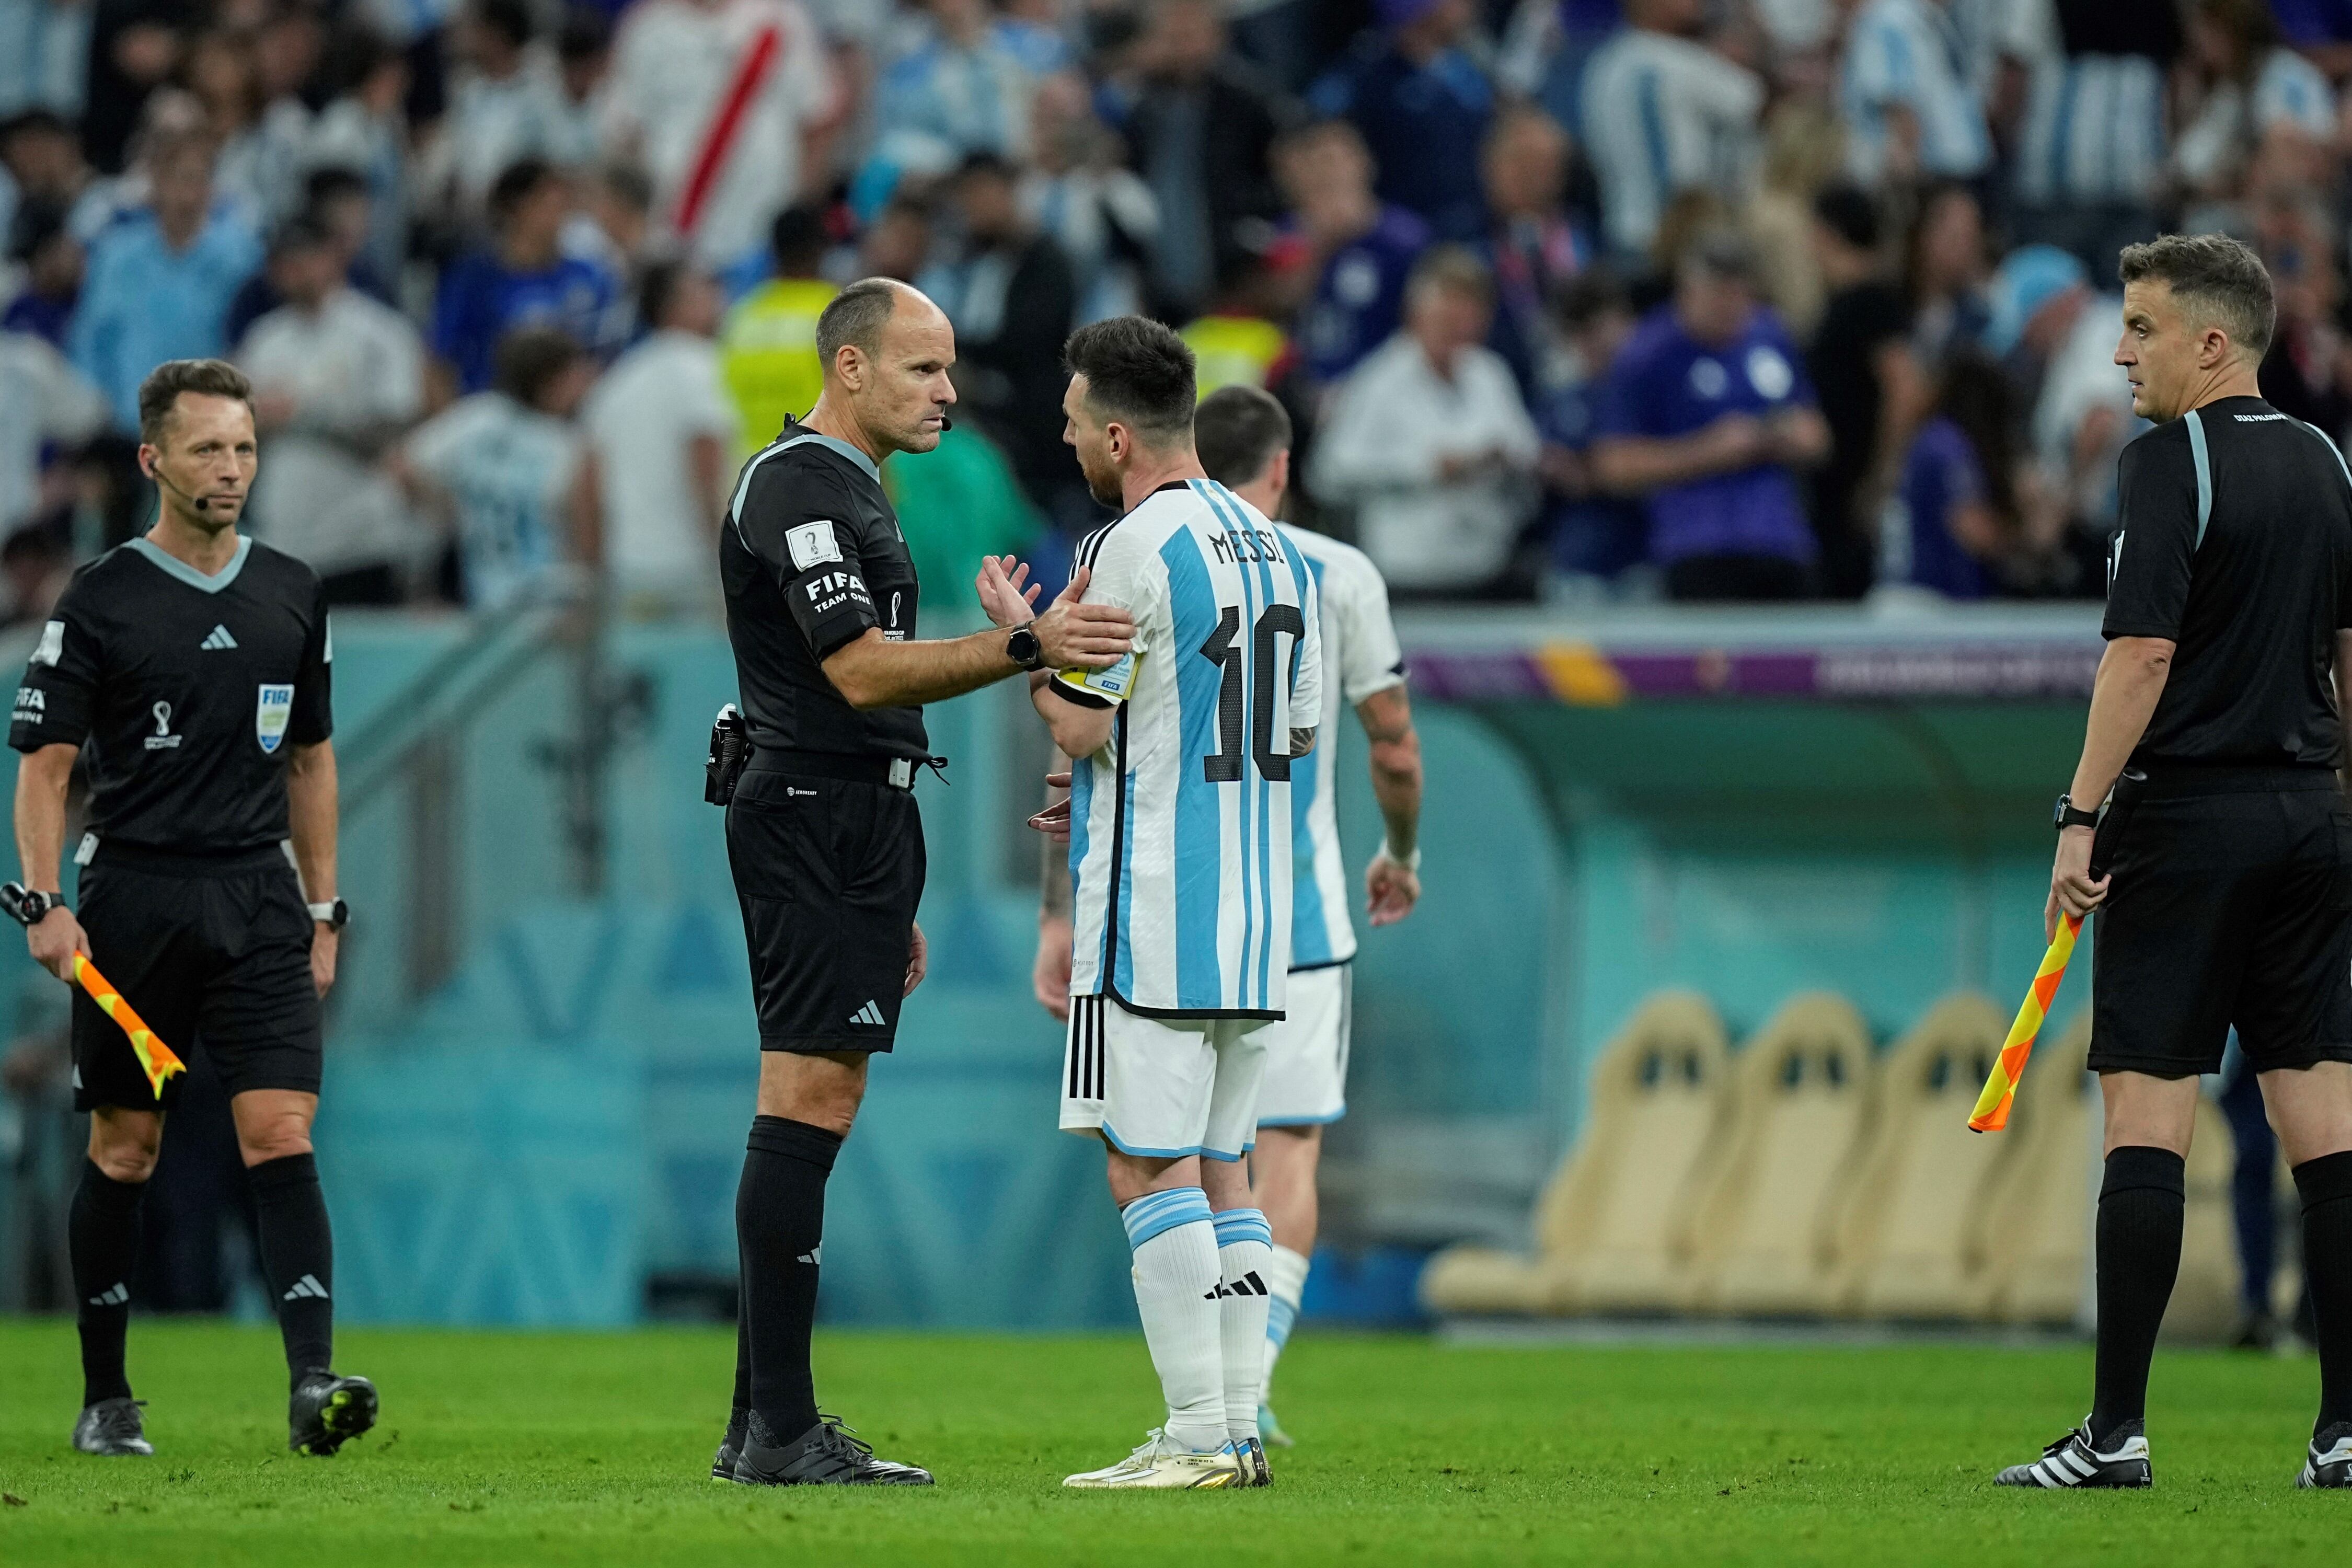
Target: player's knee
(276, 1140)
(131, 1159)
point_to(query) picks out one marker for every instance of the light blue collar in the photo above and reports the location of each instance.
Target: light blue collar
(836, 443)
(173, 566)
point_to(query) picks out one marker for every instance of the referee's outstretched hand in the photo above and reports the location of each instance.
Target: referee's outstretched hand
(55, 941)
(1075, 636)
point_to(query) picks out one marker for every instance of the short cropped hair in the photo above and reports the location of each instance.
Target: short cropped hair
(2217, 277)
(517, 183)
(854, 318)
(527, 360)
(159, 392)
(1139, 372)
(1237, 430)
(1453, 267)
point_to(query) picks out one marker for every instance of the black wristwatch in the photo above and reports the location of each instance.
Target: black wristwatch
(36, 906)
(2067, 815)
(1023, 647)
(334, 916)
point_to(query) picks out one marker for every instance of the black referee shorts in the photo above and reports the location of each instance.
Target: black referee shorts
(215, 954)
(829, 872)
(2230, 905)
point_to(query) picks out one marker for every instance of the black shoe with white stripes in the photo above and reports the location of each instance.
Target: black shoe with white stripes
(722, 1465)
(111, 1428)
(825, 1455)
(2329, 1464)
(2074, 1461)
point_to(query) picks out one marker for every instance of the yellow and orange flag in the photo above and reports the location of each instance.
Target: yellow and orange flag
(1992, 1113)
(155, 1058)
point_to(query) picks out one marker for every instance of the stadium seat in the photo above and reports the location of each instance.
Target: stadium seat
(1802, 1096)
(1903, 1238)
(1606, 1226)
(2032, 1237)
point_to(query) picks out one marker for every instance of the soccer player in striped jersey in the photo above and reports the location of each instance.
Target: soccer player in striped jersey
(1180, 859)
(1243, 436)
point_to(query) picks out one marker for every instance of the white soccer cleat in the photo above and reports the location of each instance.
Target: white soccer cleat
(2330, 1463)
(1158, 1465)
(2074, 1461)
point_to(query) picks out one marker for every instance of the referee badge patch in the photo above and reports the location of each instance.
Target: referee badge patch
(811, 544)
(270, 716)
(52, 646)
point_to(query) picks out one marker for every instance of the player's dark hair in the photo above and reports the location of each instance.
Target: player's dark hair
(2214, 274)
(516, 184)
(1139, 372)
(1237, 430)
(529, 359)
(159, 392)
(854, 318)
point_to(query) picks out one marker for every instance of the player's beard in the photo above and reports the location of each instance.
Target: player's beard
(1102, 483)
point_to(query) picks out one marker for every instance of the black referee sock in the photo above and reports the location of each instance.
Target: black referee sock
(2142, 1204)
(2326, 1185)
(102, 1236)
(779, 1223)
(297, 1258)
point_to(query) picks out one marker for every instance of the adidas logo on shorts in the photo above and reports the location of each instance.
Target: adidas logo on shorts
(871, 1015)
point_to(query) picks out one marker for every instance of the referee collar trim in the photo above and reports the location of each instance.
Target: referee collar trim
(173, 566)
(807, 438)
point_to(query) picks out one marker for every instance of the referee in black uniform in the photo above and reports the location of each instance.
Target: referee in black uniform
(192, 667)
(2229, 900)
(822, 830)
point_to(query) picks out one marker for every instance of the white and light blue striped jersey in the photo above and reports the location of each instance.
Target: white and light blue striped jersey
(2287, 90)
(1181, 826)
(1360, 657)
(1908, 54)
(2093, 130)
(1661, 115)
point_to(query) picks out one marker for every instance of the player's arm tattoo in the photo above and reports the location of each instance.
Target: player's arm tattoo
(1301, 742)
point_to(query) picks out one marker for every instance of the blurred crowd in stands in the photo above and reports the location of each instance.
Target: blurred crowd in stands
(1572, 300)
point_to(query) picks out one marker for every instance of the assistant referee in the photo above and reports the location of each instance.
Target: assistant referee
(822, 833)
(192, 668)
(2229, 901)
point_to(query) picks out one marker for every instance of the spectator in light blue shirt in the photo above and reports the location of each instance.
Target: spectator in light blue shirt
(161, 281)
(1904, 95)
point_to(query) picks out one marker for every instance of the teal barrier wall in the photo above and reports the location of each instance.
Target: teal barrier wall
(561, 1119)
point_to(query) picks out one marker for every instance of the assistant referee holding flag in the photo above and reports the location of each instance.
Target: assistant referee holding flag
(2229, 900)
(822, 831)
(193, 666)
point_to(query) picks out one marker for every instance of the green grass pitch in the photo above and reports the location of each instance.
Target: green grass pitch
(525, 1447)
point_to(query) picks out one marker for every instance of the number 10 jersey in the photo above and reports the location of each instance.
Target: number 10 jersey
(1181, 826)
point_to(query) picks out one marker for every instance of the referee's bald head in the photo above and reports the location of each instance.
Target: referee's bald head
(886, 349)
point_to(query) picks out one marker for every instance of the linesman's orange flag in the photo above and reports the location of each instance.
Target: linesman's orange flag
(155, 1058)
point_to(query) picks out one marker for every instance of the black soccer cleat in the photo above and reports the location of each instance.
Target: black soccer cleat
(2075, 1461)
(112, 1428)
(2329, 1464)
(327, 1412)
(722, 1464)
(825, 1455)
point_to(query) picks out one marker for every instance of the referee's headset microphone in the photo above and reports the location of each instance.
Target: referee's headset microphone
(201, 503)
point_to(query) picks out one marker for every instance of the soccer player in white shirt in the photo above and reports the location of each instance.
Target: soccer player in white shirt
(1243, 436)
(1180, 856)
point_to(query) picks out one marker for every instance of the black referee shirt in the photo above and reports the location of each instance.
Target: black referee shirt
(2236, 544)
(190, 691)
(811, 556)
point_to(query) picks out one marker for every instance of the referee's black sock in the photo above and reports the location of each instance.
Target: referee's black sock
(102, 1236)
(298, 1256)
(779, 1223)
(2326, 1185)
(2142, 1204)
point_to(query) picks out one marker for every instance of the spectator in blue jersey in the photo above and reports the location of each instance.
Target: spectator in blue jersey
(1361, 249)
(524, 279)
(160, 280)
(1532, 244)
(1708, 417)
(1422, 106)
(54, 262)
(1595, 536)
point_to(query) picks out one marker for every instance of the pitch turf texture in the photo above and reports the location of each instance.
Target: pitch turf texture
(512, 1448)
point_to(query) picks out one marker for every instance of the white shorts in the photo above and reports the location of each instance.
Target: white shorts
(1306, 1050)
(1164, 1088)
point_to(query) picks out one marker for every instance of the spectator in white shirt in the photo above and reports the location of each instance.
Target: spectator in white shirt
(678, 65)
(507, 104)
(338, 378)
(1429, 441)
(43, 401)
(1665, 113)
(2268, 115)
(663, 432)
(1906, 97)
